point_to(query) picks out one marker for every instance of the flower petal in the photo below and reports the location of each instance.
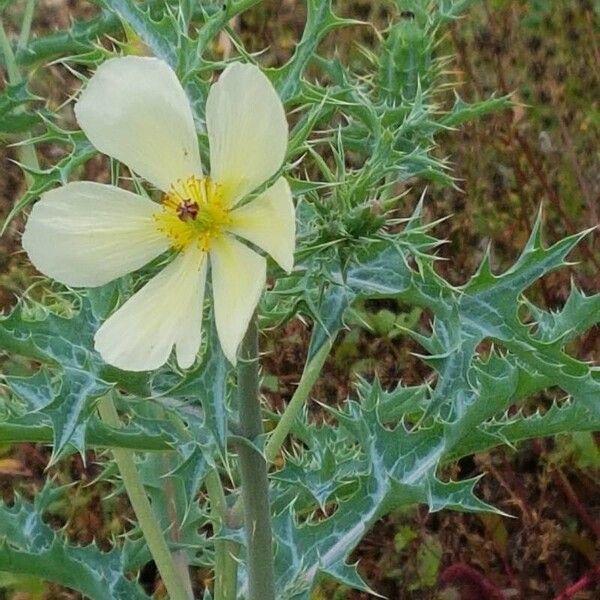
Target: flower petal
(166, 312)
(269, 222)
(247, 130)
(135, 110)
(238, 279)
(87, 234)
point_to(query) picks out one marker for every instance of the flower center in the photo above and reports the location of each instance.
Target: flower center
(193, 212)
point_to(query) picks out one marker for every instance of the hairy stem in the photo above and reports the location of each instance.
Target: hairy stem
(253, 470)
(225, 551)
(311, 372)
(148, 522)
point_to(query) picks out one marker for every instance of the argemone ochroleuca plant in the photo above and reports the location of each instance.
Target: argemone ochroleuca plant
(87, 234)
(273, 512)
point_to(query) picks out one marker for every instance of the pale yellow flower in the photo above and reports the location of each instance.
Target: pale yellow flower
(87, 234)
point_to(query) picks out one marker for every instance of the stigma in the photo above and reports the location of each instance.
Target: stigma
(193, 212)
(188, 210)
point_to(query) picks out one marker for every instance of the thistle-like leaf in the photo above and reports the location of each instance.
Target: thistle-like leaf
(29, 546)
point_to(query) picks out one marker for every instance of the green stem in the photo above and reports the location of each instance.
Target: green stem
(179, 557)
(226, 551)
(253, 471)
(26, 152)
(148, 522)
(14, 75)
(26, 25)
(311, 372)
(98, 435)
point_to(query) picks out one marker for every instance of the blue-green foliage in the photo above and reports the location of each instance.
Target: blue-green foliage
(387, 446)
(360, 132)
(30, 546)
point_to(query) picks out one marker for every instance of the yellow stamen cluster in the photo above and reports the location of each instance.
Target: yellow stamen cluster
(193, 211)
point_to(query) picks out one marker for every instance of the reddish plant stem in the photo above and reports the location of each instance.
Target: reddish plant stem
(568, 492)
(589, 578)
(538, 171)
(563, 483)
(530, 518)
(478, 586)
(552, 194)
